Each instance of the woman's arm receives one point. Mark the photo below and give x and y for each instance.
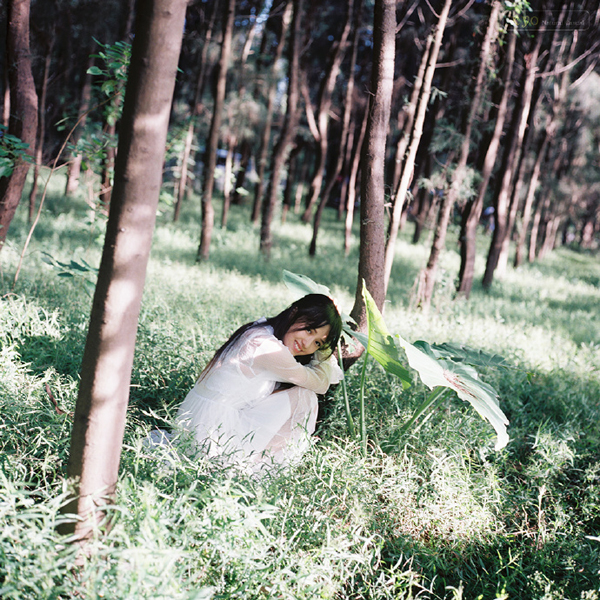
(272, 356)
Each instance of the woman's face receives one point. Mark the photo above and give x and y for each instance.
(301, 340)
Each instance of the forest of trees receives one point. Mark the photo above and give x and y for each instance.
(412, 112)
(492, 111)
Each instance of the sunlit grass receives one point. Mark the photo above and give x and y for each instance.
(433, 513)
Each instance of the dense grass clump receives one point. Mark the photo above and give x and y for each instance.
(432, 513)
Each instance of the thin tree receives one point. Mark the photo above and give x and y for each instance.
(39, 140)
(196, 107)
(512, 150)
(344, 134)
(372, 212)
(353, 177)
(212, 143)
(427, 278)
(263, 152)
(472, 211)
(281, 149)
(99, 420)
(23, 108)
(323, 110)
(415, 137)
(74, 166)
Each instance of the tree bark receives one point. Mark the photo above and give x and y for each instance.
(372, 212)
(100, 412)
(511, 151)
(41, 129)
(427, 279)
(472, 211)
(331, 178)
(266, 132)
(324, 106)
(212, 143)
(415, 137)
(352, 179)
(198, 93)
(23, 107)
(280, 152)
(74, 166)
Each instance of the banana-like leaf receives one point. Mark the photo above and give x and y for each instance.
(464, 354)
(379, 343)
(464, 380)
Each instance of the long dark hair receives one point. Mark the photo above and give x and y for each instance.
(311, 311)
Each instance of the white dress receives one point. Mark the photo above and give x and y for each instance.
(235, 412)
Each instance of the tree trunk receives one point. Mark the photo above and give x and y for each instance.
(511, 152)
(372, 212)
(266, 132)
(331, 178)
(41, 129)
(198, 93)
(100, 412)
(352, 179)
(545, 142)
(472, 211)
(449, 199)
(280, 152)
(415, 137)
(74, 166)
(324, 106)
(23, 107)
(212, 143)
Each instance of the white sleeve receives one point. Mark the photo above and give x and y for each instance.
(272, 356)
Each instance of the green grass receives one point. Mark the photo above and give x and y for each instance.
(434, 513)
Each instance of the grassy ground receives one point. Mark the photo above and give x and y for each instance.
(434, 513)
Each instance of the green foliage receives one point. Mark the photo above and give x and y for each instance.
(112, 66)
(12, 150)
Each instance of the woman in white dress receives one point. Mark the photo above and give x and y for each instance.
(256, 400)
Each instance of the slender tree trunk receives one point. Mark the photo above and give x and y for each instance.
(408, 116)
(511, 152)
(352, 179)
(291, 179)
(23, 107)
(372, 212)
(100, 412)
(331, 178)
(280, 152)
(449, 199)
(472, 211)
(266, 132)
(546, 140)
(416, 133)
(74, 167)
(212, 143)
(324, 107)
(39, 141)
(198, 93)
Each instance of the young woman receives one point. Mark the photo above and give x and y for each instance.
(256, 400)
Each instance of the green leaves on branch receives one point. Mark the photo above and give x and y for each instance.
(12, 150)
(81, 271)
(112, 64)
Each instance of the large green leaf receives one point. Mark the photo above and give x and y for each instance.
(464, 380)
(379, 343)
(460, 353)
